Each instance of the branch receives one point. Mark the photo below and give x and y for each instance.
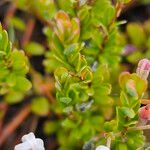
(146, 127)
(119, 6)
(17, 120)
(5, 1)
(145, 101)
(9, 14)
(3, 107)
(28, 32)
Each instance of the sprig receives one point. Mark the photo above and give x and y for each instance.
(13, 69)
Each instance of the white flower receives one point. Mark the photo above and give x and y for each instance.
(29, 142)
(102, 147)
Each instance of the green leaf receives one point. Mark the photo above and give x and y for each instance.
(75, 30)
(13, 68)
(133, 57)
(109, 14)
(84, 14)
(71, 49)
(141, 84)
(67, 123)
(61, 74)
(21, 3)
(131, 88)
(13, 97)
(48, 32)
(18, 23)
(124, 115)
(134, 30)
(67, 6)
(104, 88)
(65, 100)
(40, 106)
(110, 126)
(97, 38)
(50, 127)
(4, 73)
(2, 53)
(4, 41)
(103, 12)
(11, 79)
(128, 112)
(34, 48)
(86, 75)
(9, 48)
(123, 78)
(20, 62)
(122, 146)
(124, 99)
(133, 136)
(22, 84)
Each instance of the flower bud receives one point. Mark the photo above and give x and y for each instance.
(129, 49)
(144, 113)
(102, 147)
(143, 68)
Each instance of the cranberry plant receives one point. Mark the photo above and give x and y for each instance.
(91, 105)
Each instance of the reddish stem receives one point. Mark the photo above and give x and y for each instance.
(45, 90)
(130, 5)
(146, 127)
(118, 7)
(17, 120)
(34, 124)
(10, 13)
(145, 101)
(28, 32)
(3, 107)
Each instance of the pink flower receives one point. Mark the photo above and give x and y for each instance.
(143, 68)
(144, 113)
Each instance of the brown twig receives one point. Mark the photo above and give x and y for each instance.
(17, 120)
(34, 123)
(3, 107)
(145, 101)
(49, 96)
(5, 1)
(146, 127)
(28, 32)
(119, 6)
(10, 13)
(130, 5)
(90, 2)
